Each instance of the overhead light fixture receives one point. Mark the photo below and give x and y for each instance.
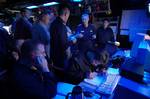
(45, 4)
(32, 7)
(77, 0)
(50, 4)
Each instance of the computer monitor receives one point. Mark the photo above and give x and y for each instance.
(143, 54)
(138, 39)
(141, 50)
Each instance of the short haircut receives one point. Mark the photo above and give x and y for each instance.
(63, 9)
(43, 13)
(101, 56)
(28, 47)
(24, 10)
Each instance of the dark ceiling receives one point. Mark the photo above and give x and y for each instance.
(21, 3)
(117, 3)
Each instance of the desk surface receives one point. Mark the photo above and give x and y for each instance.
(64, 88)
(134, 86)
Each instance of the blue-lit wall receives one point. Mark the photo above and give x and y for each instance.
(134, 21)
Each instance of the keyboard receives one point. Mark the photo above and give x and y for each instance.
(96, 81)
(109, 85)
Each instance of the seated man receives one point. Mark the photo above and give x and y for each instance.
(104, 34)
(85, 65)
(99, 60)
(105, 38)
(31, 77)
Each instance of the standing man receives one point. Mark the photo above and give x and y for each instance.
(87, 34)
(105, 38)
(104, 34)
(23, 30)
(59, 40)
(40, 30)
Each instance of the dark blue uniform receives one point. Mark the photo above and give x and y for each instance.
(87, 41)
(103, 36)
(59, 42)
(30, 83)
